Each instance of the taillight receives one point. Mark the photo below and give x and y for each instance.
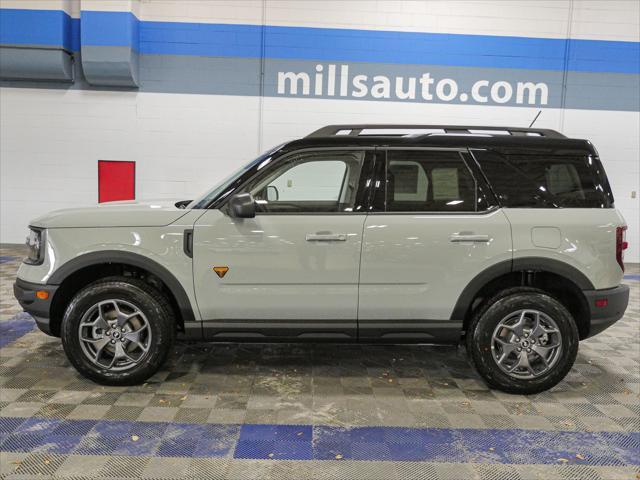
(621, 245)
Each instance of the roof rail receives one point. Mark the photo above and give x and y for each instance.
(391, 129)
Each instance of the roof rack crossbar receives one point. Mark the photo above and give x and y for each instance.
(356, 130)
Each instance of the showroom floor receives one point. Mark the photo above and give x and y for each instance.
(314, 411)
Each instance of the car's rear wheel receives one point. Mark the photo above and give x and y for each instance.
(523, 341)
(118, 331)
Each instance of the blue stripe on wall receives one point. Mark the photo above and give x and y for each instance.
(307, 442)
(74, 42)
(109, 29)
(324, 44)
(197, 39)
(451, 49)
(53, 28)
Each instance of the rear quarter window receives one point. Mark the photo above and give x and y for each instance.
(546, 181)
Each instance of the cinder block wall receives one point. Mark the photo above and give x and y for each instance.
(191, 89)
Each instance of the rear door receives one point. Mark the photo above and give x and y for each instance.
(433, 228)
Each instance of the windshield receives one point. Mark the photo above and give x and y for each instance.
(221, 186)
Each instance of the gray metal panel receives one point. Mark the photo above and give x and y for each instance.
(35, 63)
(110, 66)
(200, 75)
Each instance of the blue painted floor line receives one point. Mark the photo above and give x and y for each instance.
(309, 442)
(632, 277)
(11, 330)
(7, 259)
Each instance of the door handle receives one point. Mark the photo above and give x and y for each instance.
(326, 237)
(469, 238)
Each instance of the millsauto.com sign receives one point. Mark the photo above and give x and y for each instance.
(345, 81)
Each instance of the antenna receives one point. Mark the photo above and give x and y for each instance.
(536, 118)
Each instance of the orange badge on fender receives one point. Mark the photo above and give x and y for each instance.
(221, 271)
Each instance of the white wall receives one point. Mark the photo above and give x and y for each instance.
(51, 139)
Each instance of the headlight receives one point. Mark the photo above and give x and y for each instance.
(35, 255)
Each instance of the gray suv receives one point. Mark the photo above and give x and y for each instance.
(506, 239)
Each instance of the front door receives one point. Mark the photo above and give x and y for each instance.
(435, 228)
(293, 269)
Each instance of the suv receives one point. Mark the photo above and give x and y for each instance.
(504, 238)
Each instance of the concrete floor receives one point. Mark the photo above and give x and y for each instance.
(314, 411)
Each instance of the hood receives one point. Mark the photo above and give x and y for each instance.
(148, 213)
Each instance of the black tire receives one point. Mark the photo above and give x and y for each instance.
(148, 300)
(479, 339)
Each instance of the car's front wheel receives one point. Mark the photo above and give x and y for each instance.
(118, 331)
(523, 341)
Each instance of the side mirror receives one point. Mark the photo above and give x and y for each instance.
(242, 205)
(272, 193)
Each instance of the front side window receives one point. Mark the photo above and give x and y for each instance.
(429, 181)
(317, 182)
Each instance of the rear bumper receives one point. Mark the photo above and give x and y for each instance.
(25, 293)
(603, 317)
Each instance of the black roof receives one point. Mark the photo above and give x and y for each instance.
(448, 136)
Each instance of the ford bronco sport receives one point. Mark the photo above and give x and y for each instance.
(504, 238)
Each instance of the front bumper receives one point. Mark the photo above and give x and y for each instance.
(39, 309)
(603, 317)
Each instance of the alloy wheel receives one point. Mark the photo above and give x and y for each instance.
(115, 335)
(526, 344)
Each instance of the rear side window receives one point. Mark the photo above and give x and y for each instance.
(546, 181)
(430, 181)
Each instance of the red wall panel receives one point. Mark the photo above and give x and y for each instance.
(116, 180)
